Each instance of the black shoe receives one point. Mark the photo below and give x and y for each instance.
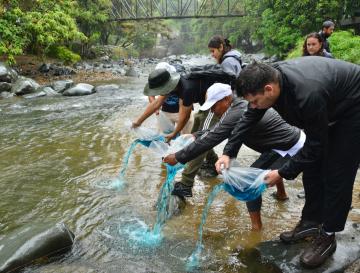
(303, 230)
(321, 249)
(182, 190)
(207, 169)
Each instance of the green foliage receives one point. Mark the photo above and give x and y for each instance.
(284, 22)
(345, 45)
(51, 28)
(64, 54)
(297, 51)
(13, 38)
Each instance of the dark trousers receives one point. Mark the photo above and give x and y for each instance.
(328, 184)
(267, 160)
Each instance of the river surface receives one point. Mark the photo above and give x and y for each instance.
(56, 150)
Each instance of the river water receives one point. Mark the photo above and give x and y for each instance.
(56, 150)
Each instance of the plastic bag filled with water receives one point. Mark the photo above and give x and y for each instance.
(145, 135)
(166, 126)
(245, 184)
(175, 145)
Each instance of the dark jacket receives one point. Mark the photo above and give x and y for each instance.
(315, 92)
(325, 41)
(270, 133)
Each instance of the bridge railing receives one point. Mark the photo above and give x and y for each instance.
(175, 9)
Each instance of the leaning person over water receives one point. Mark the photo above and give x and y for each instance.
(322, 96)
(272, 137)
(169, 105)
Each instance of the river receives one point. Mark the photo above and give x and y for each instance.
(54, 152)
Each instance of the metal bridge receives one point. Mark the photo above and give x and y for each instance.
(124, 10)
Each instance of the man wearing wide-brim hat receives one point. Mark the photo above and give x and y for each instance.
(190, 90)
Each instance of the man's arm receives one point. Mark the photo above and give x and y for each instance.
(244, 124)
(184, 115)
(214, 136)
(150, 109)
(151, 99)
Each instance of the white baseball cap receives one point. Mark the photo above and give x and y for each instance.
(216, 92)
(164, 65)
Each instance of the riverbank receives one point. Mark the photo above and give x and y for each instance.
(36, 68)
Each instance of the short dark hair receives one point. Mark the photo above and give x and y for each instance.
(328, 24)
(254, 77)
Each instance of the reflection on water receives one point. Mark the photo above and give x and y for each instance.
(55, 150)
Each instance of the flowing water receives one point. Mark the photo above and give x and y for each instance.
(54, 152)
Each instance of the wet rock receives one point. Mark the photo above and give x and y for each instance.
(60, 86)
(42, 92)
(61, 70)
(35, 95)
(7, 74)
(6, 95)
(107, 87)
(5, 86)
(286, 257)
(47, 244)
(81, 89)
(131, 72)
(44, 68)
(24, 86)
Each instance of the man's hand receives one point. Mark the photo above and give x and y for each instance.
(170, 159)
(135, 124)
(273, 178)
(170, 137)
(222, 163)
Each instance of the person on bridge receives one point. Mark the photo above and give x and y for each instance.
(322, 96)
(272, 137)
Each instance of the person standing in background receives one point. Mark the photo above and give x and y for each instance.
(325, 33)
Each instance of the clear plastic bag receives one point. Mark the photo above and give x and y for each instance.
(245, 184)
(145, 134)
(164, 149)
(166, 126)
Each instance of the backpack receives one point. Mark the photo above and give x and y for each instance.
(210, 73)
(238, 58)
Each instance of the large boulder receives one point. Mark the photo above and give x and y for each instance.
(22, 250)
(6, 95)
(42, 92)
(24, 86)
(61, 86)
(131, 72)
(81, 89)
(7, 74)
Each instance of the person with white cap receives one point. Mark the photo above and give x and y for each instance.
(272, 137)
(167, 106)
